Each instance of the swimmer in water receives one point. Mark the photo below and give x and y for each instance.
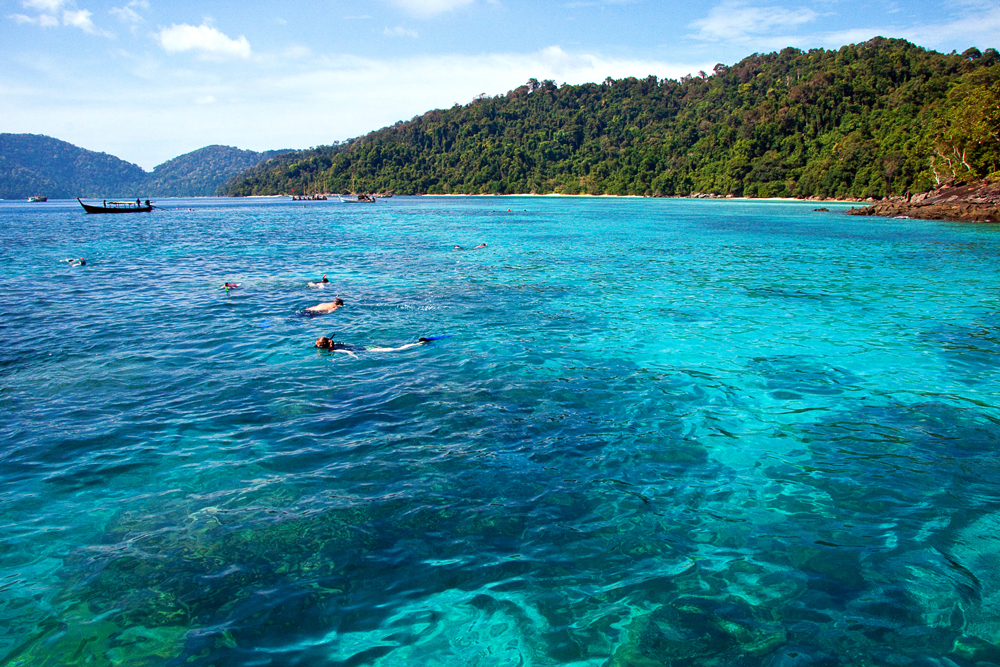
(77, 262)
(323, 282)
(228, 286)
(327, 343)
(322, 308)
(480, 246)
(458, 247)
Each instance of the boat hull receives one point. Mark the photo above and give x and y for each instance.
(115, 209)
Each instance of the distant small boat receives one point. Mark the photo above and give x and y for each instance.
(308, 197)
(118, 207)
(360, 199)
(38, 198)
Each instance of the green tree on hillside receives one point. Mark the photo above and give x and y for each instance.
(863, 120)
(969, 134)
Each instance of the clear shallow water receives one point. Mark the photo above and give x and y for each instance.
(664, 432)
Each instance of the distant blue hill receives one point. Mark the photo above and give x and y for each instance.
(34, 164)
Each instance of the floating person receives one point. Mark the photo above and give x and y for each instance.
(76, 262)
(327, 343)
(323, 308)
(458, 247)
(322, 282)
(482, 245)
(228, 286)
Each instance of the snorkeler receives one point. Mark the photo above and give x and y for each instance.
(457, 247)
(76, 262)
(228, 286)
(480, 246)
(322, 308)
(327, 343)
(322, 282)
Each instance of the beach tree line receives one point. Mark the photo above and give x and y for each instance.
(866, 120)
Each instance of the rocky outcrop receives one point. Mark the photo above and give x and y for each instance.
(978, 201)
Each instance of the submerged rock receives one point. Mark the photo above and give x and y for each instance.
(977, 553)
(700, 632)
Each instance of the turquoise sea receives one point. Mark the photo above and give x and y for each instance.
(662, 432)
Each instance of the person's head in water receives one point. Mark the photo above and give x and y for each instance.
(325, 279)
(324, 343)
(339, 301)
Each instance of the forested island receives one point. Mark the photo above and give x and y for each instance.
(880, 118)
(34, 164)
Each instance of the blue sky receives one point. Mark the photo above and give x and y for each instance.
(148, 80)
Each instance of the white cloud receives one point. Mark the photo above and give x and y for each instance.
(204, 40)
(762, 29)
(581, 4)
(48, 9)
(297, 52)
(80, 18)
(737, 21)
(46, 6)
(969, 23)
(979, 26)
(428, 8)
(49, 18)
(43, 20)
(127, 14)
(400, 31)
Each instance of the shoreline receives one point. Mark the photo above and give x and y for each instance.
(691, 197)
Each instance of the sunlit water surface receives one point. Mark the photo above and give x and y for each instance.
(663, 432)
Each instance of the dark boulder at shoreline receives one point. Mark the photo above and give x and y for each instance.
(974, 202)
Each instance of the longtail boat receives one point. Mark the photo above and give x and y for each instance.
(118, 207)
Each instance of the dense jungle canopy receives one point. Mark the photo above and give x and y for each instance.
(872, 119)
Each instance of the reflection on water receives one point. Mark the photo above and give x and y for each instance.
(661, 433)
